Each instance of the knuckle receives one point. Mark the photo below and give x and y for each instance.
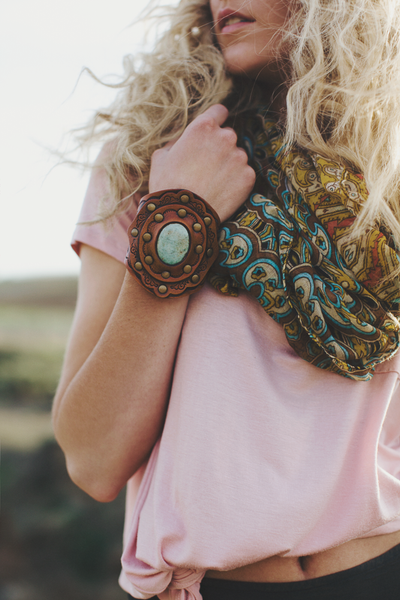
(242, 155)
(229, 135)
(250, 176)
(204, 123)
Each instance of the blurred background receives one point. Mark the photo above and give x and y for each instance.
(55, 542)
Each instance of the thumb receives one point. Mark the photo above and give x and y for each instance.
(171, 143)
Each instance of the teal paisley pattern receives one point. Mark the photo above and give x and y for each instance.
(288, 247)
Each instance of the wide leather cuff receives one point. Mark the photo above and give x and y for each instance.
(173, 242)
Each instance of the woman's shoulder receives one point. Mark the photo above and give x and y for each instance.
(94, 228)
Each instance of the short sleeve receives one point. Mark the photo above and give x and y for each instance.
(110, 236)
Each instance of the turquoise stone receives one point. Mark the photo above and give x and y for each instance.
(173, 243)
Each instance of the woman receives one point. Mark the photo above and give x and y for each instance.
(262, 455)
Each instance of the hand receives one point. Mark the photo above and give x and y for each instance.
(206, 161)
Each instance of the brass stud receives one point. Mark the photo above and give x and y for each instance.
(162, 289)
(207, 221)
(182, 213)
(210, 252)
(166, 274)
(146, 237)
(148, 260)
(150, 207)
(134, 232)
(197, 227)
(138, 266)
(185, 198)
(159, 217)
(198, 249)
(187, 268)
(195, 278)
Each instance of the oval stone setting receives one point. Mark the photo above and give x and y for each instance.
(173, 243)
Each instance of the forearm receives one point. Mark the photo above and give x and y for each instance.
(110, 415)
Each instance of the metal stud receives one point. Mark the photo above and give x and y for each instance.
(182, 213)
(162, 289)
(207, 221)
(146, 237)
(166, 274)
(150, 207)
(185, 198)
(187, 268)
(134, 232)
(197, 227)
(210, 252)
(198, 249)
(148, 260)
(138, 266)
(159, 217)
(195, 278)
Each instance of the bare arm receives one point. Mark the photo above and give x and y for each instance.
(115, 382)
(110, 405)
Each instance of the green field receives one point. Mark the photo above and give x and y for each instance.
(32, 343)
(35, 318)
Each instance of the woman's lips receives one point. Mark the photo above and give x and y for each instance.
(234, 26)
(230, 20)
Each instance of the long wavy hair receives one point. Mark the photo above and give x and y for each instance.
(340, 61)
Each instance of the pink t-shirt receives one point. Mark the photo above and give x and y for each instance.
(261, 453)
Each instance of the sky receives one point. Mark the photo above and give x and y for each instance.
(44, 44)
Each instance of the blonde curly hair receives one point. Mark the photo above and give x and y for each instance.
(340, 61)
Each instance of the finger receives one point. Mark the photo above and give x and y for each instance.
(218, 112)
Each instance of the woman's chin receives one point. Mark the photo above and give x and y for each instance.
(269, 75)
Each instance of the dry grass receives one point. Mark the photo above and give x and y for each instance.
(45, 291)
(24, 327)
(24, 429)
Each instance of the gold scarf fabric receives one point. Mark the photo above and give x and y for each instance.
(288, 246)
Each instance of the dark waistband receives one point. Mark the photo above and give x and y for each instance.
(372, 580)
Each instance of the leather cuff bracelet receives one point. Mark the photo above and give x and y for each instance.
(173, 242)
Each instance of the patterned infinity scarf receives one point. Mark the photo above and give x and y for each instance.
(287, 246)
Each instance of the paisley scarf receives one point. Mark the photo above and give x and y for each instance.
(288, 247)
